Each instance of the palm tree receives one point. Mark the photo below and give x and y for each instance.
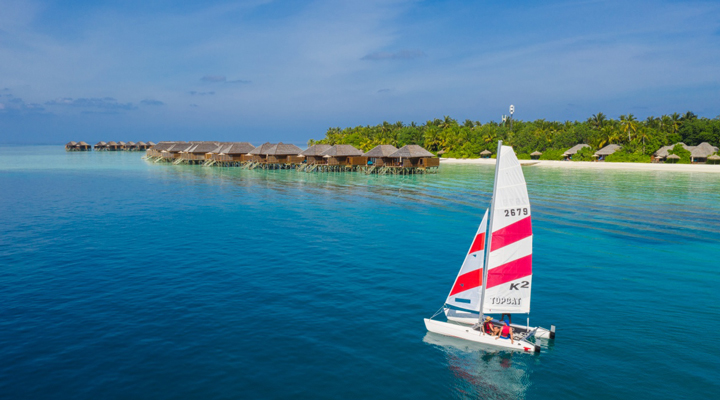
(598, 120)
(628, 124)
(675, 122)
(643, 134)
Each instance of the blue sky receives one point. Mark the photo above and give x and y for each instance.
(264, 70)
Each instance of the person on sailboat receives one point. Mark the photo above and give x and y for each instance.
(505, 332)
(488, 327)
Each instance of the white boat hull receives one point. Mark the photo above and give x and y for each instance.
(467, 333)
(472, 319)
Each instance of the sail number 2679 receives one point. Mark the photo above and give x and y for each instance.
(516, 211)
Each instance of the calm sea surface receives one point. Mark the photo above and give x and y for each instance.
(124, 279)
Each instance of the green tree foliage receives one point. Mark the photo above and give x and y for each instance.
(639, 139)
(584, 154)
(680, 151)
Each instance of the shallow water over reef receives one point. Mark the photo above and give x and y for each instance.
(120, 278)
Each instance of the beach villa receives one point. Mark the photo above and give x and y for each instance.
(567, 156)
(606, 151)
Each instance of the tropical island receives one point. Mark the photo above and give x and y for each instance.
(668, 138)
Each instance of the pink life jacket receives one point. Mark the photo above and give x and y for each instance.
(506, 330)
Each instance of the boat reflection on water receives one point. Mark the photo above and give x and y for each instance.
(484, 371)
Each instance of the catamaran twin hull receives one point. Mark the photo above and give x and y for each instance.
(472, 319)
(468, 333)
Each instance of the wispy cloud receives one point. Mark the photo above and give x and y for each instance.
(213, 78)
(398, 55)
(222, 79)
(196, 93)
(10, 104)
(105, 103)
(149, 102)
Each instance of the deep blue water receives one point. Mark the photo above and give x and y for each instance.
(123, 279)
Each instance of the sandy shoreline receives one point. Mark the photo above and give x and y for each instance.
(593, 165)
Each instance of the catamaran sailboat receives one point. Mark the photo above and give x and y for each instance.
(504, 287)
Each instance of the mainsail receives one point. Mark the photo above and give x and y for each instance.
(509, 274)
(465, 292)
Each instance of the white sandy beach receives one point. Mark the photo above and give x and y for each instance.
(594, 165)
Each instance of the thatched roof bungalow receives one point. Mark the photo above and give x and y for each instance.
(606, 151)
(313, 155)
(571, 151)
(70, 146)
(176, 149)
(340, 154)
(535, 155)
(112, 146)
(83, 146)
(485, 153)
(260, 153)
(198, 150)
(701, 152)
(237, 151)
(380, 155)
(156, 150)
(714, 159)
(698, 154)
(141, 146)
(283, 153)
(414, 156)
(99, 146)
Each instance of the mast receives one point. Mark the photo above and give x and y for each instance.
(488, 234)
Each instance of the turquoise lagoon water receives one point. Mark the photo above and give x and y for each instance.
(123, 279)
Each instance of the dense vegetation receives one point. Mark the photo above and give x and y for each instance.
(639, 139)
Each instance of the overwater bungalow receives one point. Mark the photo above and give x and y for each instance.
(150, 144)
(535, 155)
(606, 151)
(283, 153)
(156, 150)
(313, 155)
(121, 145)
(70, 146)
(100, 146)
(414, 156)
(260, 153)
(380, 155)
(343, 155)
(485, 153)
(567, 156)
(196, 152)
(112, 146)
(140, 146)
(232, 153)
(82, 146)
(175, 152)
(130, 146)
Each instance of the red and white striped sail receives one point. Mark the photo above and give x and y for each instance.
(509, 276)
(465, 292)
